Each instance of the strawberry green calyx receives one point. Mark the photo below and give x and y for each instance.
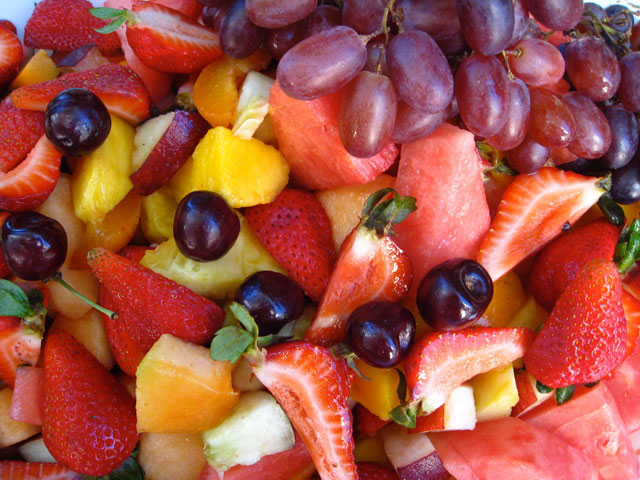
(15, 302)
(612, 211)
(117, 17)
(380, 215)
(627, 251)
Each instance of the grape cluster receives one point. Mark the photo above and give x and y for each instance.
(540, 80)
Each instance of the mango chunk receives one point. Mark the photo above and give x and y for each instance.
(158, 210)
(180, 389)
(101, 179)
(495, 393)
(379, 394)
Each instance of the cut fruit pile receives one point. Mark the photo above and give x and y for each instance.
(202, 279)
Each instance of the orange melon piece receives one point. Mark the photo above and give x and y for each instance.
(180, 389)
(40, 68)
(89, 331)
(344, 204)
(443, 172)
(308, 137)
(159, 452)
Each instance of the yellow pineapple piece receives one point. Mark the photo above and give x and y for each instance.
(531, 315)
(101, 179)
(89, 331)
(40, 68)
(218, 279)
(171, 456)
(344, 204)
(158, 210)
(244, 172)
(508, 298)
(371, 449)
(495, 393)
(379, 394)
(12, 431)
(180, 389)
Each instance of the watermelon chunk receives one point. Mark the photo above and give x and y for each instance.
(508, 449)
(444, 173)
(591, 422)
(27, 401)
(308, 137)
(624, 385)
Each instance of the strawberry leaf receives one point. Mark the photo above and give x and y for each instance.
(612, 211)
(118, 16)
(564, 394)
(374, 199)
(404, 415)
(384, 214)
(14, 302)
(230, 343)
(106, 13)
(543, 388)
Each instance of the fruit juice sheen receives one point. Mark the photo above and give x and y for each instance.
(406, 240)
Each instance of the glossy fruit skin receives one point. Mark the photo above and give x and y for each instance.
(34, 245)
(273, 300)
(454, 294)
(381, 333)
(205, 227)
(76, 122)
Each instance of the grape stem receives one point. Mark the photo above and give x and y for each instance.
(57, 277)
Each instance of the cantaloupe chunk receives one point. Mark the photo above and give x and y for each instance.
(89, 331)
(180, 389)
(12, 431)
(171, 456)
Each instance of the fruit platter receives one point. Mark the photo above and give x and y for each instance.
(322, 239)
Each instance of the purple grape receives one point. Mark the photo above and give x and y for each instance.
(629, 89)
(556, 14)
(592, 68)
(322, 18)
(624, 137)
(412, 124)
(239, 36)
(280, 40)
(364, 16)
(528, 157)
(593, 135)
(515, 129)
(487, 25)
(278, 13)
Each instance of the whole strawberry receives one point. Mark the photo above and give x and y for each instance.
(150, 304)
(297, 232)
(89, 419)
(559, 262)
(19, 132)
(585, 335)
(65, 25)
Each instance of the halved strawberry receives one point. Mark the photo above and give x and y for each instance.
(366, 423)
(121, 90)
(65, 25)
(631, 307)
(19, 345)
(19, 131)
(532, 212)
(16, 470)
(32, 181)
(313, 387)
(8, 25)
(370, 266)
(559, 261)
(375, 471)
(441, 361)
(585, 336)
(10, 55)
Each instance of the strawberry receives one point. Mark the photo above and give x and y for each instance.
(585, 336)
(441, 361)
(32, 181)
(313, 388)
(165, 39)
(559, 261)
(8, 25)
(65, 25)
(10, 56)
(297, 232)
(89, 420)
(366, 423)
(151, 304)
(532, 212)
(15, 470)
(121, 90)
(631, 307)
(19, 132)
(375, 471)
(370, 266)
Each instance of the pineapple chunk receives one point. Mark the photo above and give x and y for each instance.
(379, 394)
(495, 393)
(101, 179)
(220, 278)
(180, 389)
(244, 172)
(158, 210)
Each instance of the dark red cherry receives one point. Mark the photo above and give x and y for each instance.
(454, 294)
(34, 245)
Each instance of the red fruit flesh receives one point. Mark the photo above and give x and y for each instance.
(591, 423)
(15, 470)
(631, 307)
(19, 132)
(89, 418)
(441, 361)
(18, 346)
(366, 423)
(10, 55)
(532, 212)
(121, 90)
(313, 387)
(585, 335)
(27, 401)
(368, 268)
(170, 42)
(297, 232)
(375, 471)
(559, 261)
(32, 181)
(443, 173)
(508, 449)
(65, 25)
(152, 304)
(624, 385)
(308, 137)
